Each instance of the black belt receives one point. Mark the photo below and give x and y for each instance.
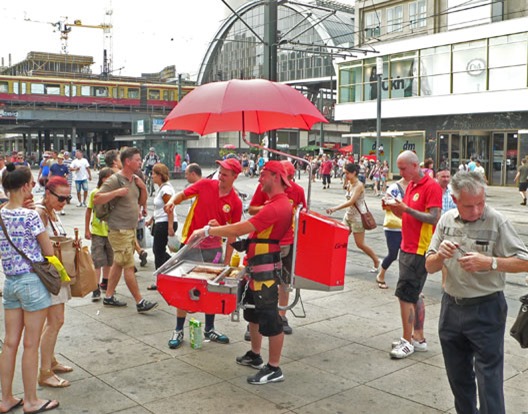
(471, 301)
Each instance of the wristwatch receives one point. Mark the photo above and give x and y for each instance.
(493, 263)
(206, 230)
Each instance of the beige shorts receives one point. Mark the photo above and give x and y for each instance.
(353, 225)
(123, 244)
(63, 296)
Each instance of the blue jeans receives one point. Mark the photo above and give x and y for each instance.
(394, 239)
(472, 339)
(25, 291)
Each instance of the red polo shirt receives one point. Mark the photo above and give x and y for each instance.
(271, 222)
(421, 196)
(208, 206)
(296, 196)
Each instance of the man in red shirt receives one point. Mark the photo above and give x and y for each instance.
(296, 196)
(215, 201)
(420, 211)
(267, 228)
(326, 171)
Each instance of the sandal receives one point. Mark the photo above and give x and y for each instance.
(47, 378)
(381, 284)
(152, 287)
(56, 366)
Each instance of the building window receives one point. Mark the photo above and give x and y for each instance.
(435, 71)
(4, 87)
(418, 14)
(469, 67)
(394, 19)
(507, 62)
(372, 24)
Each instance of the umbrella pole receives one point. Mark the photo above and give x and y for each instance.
(284, 154)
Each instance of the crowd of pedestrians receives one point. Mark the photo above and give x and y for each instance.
(432, 222)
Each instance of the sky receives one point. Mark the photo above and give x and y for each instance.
(147, 36)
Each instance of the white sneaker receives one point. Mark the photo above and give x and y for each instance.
(419, 346)
(402, 350)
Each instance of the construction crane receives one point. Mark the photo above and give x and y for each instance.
(64, 28)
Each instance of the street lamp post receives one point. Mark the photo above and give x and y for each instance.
(379, 73)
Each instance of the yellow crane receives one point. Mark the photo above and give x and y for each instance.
(64, 28)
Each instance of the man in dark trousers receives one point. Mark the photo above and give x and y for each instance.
(478, 246)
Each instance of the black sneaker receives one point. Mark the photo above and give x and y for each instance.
(143, 258)
(286, 328)
(266, 375)
(250, 359)
(216, 336)
(145, 306)
(113, 302)
(96, 295)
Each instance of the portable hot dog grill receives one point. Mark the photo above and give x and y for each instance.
(194, 286)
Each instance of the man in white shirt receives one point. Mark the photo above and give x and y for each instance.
(80, 168)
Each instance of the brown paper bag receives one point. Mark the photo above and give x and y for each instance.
(65, 249)
(86, 280)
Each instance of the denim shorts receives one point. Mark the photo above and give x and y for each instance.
(81, 185)
(25, 291)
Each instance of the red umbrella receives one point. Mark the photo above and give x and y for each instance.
(345, 150)
(255, 105)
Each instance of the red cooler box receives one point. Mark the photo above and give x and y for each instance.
(322, 245)
(198, 294)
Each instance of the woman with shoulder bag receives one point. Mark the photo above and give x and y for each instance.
(57, 193)
(25, 298)
(355, 198)
(392, 225)
(162, 224)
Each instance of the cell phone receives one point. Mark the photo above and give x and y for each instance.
(461, 250)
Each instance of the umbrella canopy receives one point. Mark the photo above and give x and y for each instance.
(255, 105)
(345, 150)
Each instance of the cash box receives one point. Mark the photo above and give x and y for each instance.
(320, 258)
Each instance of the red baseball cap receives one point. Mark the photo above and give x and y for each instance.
(231, 164)
(289, 168)
(278, 168)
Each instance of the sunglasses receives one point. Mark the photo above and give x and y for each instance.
(60, 198)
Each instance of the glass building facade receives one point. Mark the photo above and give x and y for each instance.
(489, 64)
(305, 36)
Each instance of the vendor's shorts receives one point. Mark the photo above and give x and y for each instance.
(266, 312)
(25, 291)
(81, 185)
(287, 263)
(523, 186)
(353, 225)
(102, 253)
(412, 277)
(123, 244)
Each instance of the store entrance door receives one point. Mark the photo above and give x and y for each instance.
(504, 149)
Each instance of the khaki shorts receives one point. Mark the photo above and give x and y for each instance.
(123, 244)
(354, 226)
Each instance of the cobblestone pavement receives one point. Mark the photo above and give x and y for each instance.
(336, 361)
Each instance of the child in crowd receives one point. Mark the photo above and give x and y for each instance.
(97, 231)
